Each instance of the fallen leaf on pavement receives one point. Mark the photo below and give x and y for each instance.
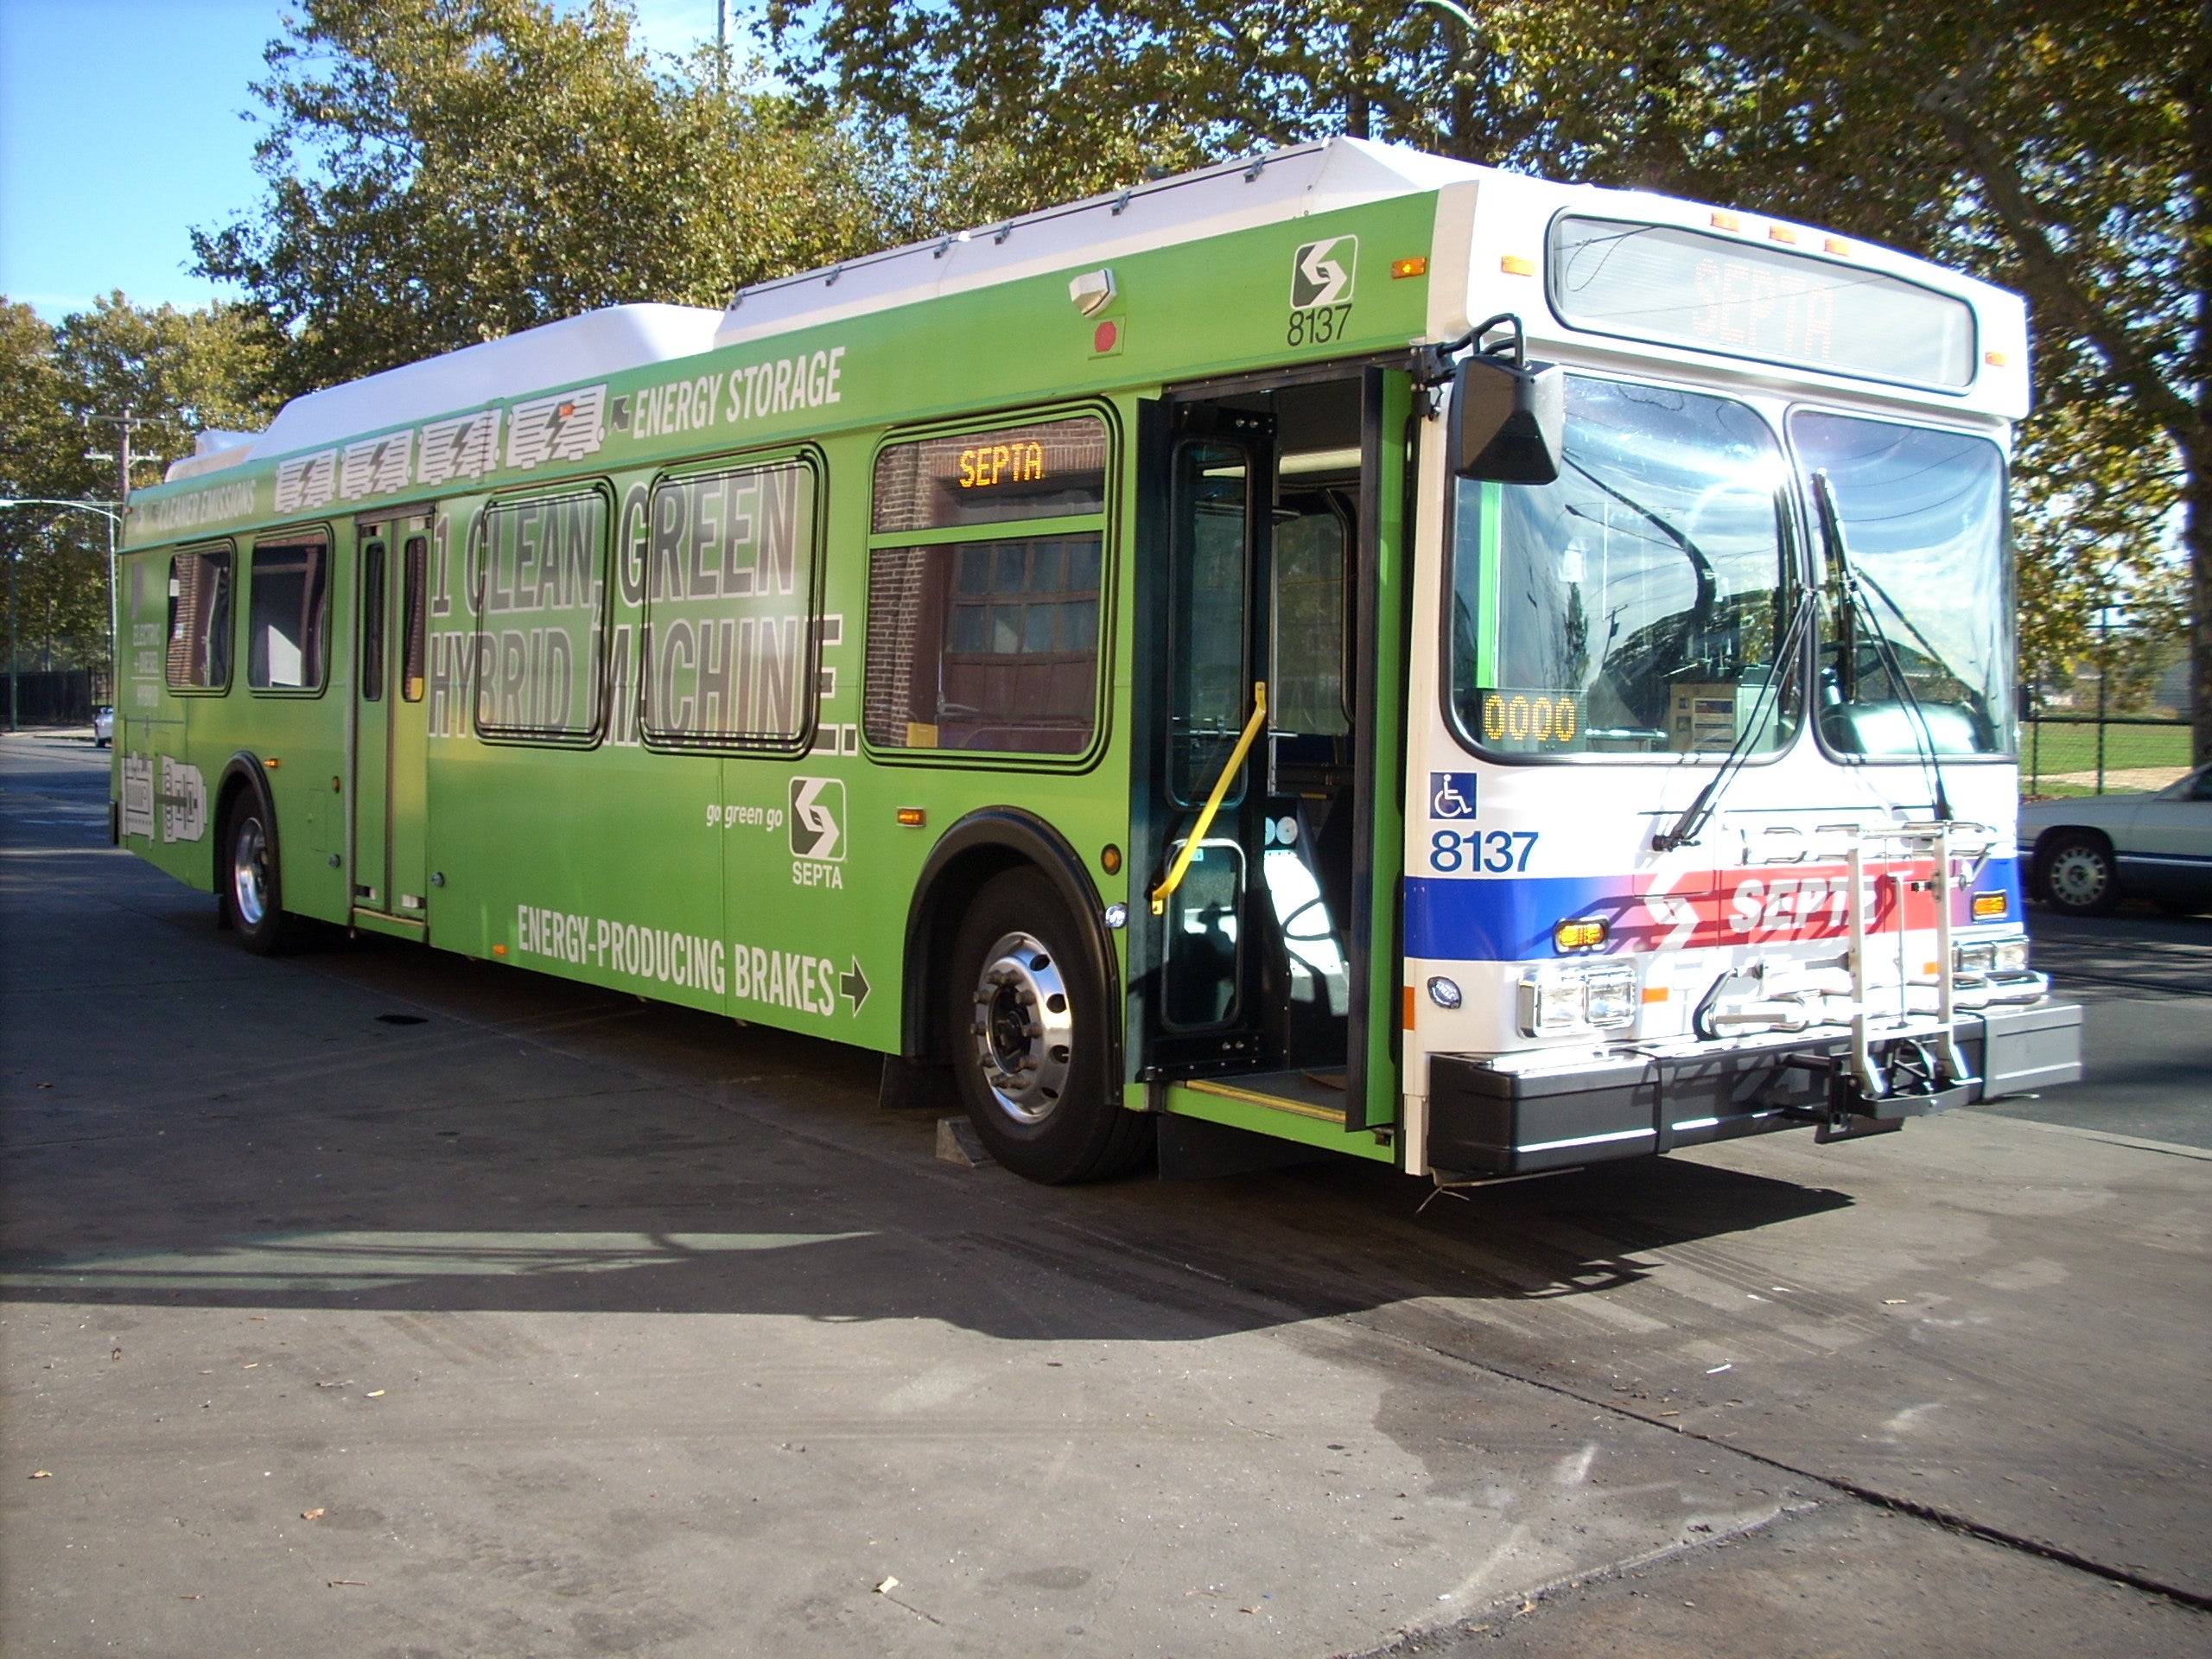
(373, 1394)
(887, 1586)
(41, 1474)
(311, 1515)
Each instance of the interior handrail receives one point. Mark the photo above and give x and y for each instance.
(1175, 871)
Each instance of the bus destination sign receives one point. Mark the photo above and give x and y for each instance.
(1678, 287)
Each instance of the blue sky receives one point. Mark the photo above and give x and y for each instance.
(121, 129)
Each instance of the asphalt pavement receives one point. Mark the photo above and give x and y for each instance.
(374, 1301)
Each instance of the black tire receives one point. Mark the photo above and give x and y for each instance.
(1024, 1027)
(2077, 874)
(250, 883)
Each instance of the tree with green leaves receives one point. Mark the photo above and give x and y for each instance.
(444, 172)
(178, 373)
(2063, 148)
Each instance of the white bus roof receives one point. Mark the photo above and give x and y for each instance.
(598, 342)
(1282, 185)
(1271, 189)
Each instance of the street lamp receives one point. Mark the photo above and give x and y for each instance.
(115, 661)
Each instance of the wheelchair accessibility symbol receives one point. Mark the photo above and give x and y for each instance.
(1451, 794)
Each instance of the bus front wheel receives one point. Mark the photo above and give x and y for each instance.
(1024, 1027)
(252, 894)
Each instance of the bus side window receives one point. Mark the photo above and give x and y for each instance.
(985, 577)
(541, 586)
(413, 619)
(730, 591)
(372, 622)
(199, 654)
(288, 615)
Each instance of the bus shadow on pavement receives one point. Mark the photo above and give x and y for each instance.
(399, 1130)
(1129, 1261)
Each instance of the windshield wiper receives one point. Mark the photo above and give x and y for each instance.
(1854, 598)
(1699, 812)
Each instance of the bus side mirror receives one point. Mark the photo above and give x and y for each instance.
(1509, 421)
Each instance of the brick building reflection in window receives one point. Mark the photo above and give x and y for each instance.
(990, 646)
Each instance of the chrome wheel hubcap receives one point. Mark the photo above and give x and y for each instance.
(2079, 876)
(1023, 1027)
(250, 872)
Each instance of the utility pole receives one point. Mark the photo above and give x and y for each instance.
(722, 47)
(128, 421)
(124, 423)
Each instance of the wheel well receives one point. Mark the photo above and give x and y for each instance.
(2058, 832)
(938, 909)
(241, 776)
(982, 845)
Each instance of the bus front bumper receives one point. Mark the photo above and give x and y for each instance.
(1523, 1114)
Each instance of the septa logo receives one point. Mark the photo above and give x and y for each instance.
(816, 819)
(1322, 273)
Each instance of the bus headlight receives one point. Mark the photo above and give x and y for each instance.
(1558, 999)
(1990, 956)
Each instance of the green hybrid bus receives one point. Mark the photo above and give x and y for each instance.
(1344, 653)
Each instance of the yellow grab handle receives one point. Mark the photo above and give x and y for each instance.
(1159, 894)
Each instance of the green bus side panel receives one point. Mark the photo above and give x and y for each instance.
(650, 872)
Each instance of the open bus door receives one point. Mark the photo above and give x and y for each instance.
(1267, 822)
(388, 838)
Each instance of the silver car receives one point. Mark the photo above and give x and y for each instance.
(2084, 856)
(104, 725)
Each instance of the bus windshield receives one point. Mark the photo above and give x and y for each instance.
(1923, 521)
(1634, 606)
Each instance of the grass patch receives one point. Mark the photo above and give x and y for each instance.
(2062, 759)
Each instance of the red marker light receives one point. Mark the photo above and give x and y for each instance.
(1106, 336)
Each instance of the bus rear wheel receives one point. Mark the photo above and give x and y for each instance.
(252, 894)
(1025, 1027)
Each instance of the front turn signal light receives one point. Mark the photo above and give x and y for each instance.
(1582, 933)
(1991, 906)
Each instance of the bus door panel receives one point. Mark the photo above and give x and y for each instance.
(407, 710)
(390, 731)
(370, 874)
(1202, 976)
(1380, 598)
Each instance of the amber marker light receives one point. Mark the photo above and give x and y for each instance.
(1416, 266)
(1995, 359)
(1991, 906)
(1514, 265)
(498, 950)
(1782, 233)
(1582, 933)
(912, 817)
(1726, 222)
(1110, 859)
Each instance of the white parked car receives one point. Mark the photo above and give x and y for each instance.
(104, 725)
(2084, 856)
